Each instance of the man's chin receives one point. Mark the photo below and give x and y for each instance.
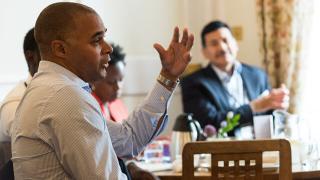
(102, 75)
(96, 78)
(113, 98)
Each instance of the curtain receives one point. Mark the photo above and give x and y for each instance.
(283, 27)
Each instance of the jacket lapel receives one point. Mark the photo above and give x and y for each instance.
(247, 80)
(214, 85)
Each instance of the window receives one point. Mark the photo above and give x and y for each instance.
(309, 107)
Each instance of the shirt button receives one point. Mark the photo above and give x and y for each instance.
(162, 98)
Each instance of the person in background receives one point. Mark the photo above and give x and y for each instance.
(107, 91)
(59, 131)
(226, 84)
(11, 101)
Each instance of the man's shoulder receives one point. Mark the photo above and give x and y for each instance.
(252, 69)
(49, 89)
(15, 93)
(52, 81)
(57, 95)
(199, 74)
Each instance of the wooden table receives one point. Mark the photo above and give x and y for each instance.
(272, 175)
(268, 174)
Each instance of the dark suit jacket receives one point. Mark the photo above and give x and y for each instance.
(204, 95)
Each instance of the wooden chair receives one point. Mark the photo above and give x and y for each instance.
(233, 154)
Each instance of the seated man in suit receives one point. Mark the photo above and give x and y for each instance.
(12, 100)
(107, 90)
(226, 84)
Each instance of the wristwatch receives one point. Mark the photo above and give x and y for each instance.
(167, 82)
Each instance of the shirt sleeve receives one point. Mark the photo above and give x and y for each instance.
(7, 114)
(133, 134)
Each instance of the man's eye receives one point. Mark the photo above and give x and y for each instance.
(110, 82)
(214, 43)
(97, 40)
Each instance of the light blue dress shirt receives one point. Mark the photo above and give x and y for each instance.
(237, 95)
(59, 131)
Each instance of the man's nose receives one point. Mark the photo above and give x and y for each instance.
(222, 45)
(106, 48)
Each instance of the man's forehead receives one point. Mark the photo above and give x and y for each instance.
(99, 33)
(220, 33)
(90, 24)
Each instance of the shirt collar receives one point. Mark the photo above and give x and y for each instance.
(97, 98)
(224, 76)
(48, 66)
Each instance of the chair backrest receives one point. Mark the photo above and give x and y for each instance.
(237, 159)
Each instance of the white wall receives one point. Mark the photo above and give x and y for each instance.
(243, 13)
(16, 19)
(135, 25)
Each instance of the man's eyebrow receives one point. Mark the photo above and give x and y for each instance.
(99, 33)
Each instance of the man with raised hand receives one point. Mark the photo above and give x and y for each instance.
(59, 131)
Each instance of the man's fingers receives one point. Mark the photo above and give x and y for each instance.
(175, 37)
(187, 57)
(285, 105)
(282, 89)
(184, 37)
(190, 42)
(160, 50)
(286, 99)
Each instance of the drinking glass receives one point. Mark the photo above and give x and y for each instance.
(204, 163)
(308, 146)
(309, 155)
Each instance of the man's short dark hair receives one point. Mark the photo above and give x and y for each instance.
(29, 43)
(117, 54)
(57, 22)
(210, 27)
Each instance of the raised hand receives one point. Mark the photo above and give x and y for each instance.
(175, 59)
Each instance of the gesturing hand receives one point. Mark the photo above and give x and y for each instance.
(276, 99)
(175, 59)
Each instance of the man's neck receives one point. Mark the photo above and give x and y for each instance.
(228, 68)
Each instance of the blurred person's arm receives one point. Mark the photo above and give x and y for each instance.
(148, 120)
(7, 114)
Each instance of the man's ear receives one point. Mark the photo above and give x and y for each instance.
(29, 55)
(58, 48)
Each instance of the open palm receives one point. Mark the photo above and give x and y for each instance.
(175, 59)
